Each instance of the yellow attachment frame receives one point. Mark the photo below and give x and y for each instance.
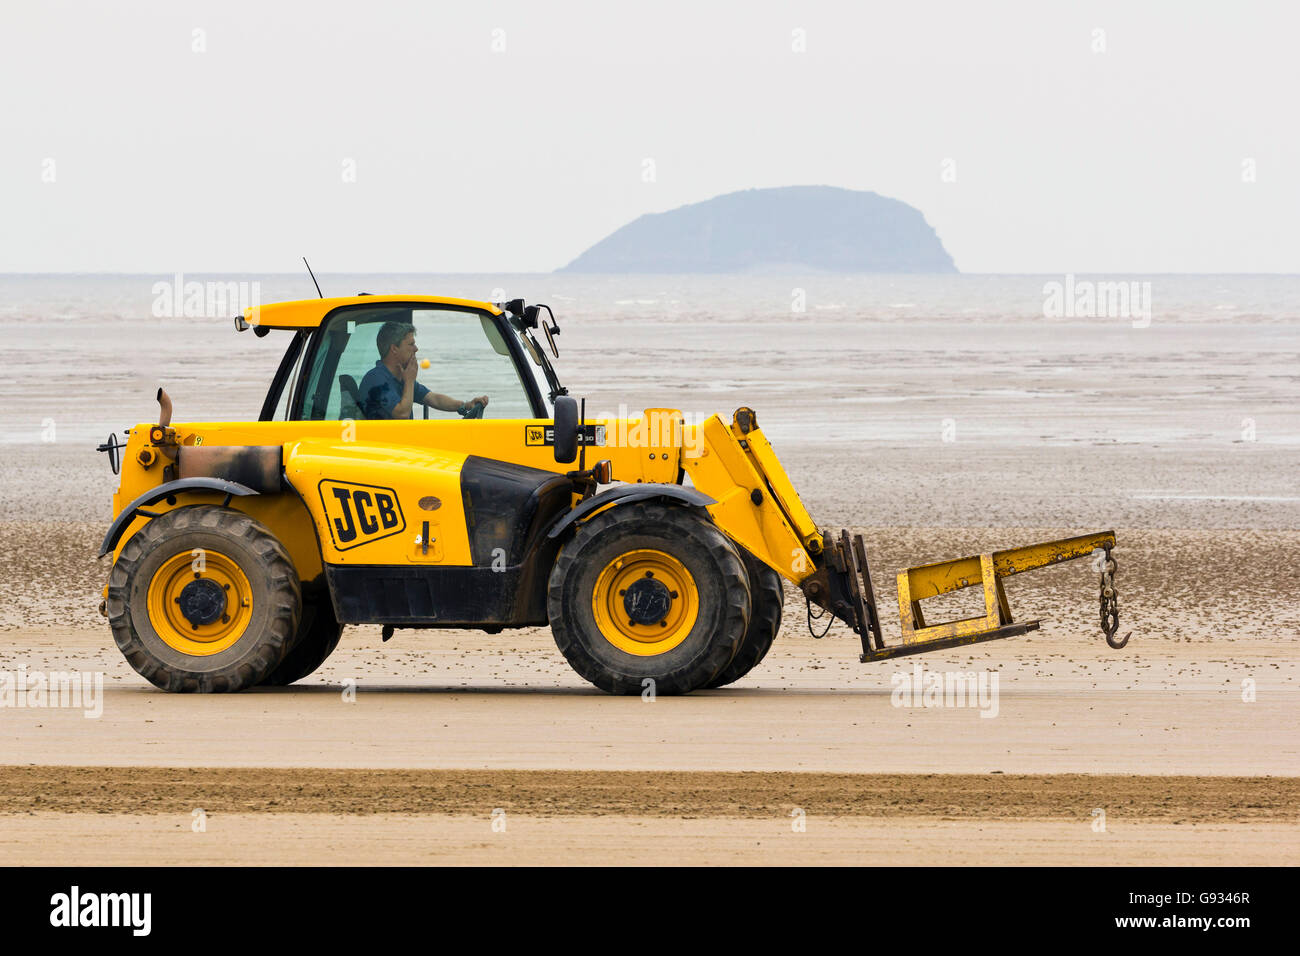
(847, 562)
(986, 570)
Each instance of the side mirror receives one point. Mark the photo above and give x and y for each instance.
(566, 429)
(552, 329)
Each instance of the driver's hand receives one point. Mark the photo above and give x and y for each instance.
(410, 369)
(482, 400)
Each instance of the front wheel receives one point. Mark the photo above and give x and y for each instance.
(648, 597)
(768, 598)
(204, 599)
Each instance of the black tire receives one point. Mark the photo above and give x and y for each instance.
(767, 597)
(275, 600)
(721, 590)
(318, 635)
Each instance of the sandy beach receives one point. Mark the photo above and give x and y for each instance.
(1185, 744)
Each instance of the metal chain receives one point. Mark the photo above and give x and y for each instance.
(1110, 602)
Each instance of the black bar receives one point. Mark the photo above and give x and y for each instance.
(1081, 904)
(860, 555)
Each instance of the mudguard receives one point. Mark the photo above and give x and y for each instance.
(166, 490)
(624, 494)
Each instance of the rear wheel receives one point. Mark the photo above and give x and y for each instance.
(648, 595)
(318, 635)
(204, 599)
(768, 600)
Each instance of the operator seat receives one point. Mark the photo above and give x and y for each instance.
(349, 398)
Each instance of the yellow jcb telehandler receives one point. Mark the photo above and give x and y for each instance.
(363, 495)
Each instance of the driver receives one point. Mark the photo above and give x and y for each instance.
(389, 390)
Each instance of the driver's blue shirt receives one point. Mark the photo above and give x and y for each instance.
(381, 390)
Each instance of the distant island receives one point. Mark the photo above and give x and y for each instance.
(789, 229)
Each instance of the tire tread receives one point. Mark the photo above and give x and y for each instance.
(274, 564)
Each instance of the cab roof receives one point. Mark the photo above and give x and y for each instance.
(308, 313)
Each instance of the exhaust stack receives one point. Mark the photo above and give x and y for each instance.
(164, 408)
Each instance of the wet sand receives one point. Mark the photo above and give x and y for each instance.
(439, 839)
(173, 791)
(437, 733)
(1211, 608)
(78, 815)
(125, 816)
(1066, 703)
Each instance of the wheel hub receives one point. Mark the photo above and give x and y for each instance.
(202, 601)
(200, 611)
(647, 600)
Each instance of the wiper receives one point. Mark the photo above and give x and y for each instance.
(552, 379)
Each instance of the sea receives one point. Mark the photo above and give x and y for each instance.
(990, 359)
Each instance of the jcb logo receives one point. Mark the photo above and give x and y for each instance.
(545, 435)
(359, 514)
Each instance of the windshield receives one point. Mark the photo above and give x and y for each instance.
(417, 361)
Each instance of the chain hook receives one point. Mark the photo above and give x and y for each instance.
(1110, 602)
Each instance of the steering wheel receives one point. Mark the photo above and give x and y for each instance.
(475, 410)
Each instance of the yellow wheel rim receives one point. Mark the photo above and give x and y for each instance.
(645, 602)
(200, 604)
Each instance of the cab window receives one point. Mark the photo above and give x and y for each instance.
(466, 355)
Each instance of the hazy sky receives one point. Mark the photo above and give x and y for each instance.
(470, 157)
